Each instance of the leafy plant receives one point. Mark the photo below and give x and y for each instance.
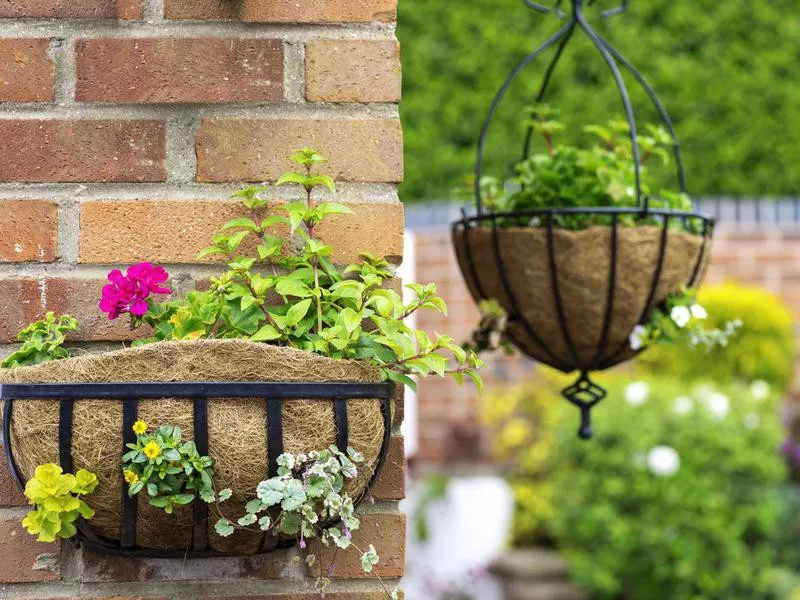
(42, 341)
(308, 498)
(681, 322)
(601, 175)
(57, 500)
(763, 348)
(301, 300)
(679, 488)
(169, 469)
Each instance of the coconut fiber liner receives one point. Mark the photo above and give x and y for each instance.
(237, 427)
(583, 261)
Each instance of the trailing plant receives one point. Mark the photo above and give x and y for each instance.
(763, 349)
(308, 499)
(682, 322)
(58, 501)
(169, 469)
(302, 300)
(602, 175)
(42, 341)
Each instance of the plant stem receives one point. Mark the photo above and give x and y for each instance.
(315, 260)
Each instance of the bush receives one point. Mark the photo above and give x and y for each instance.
(763, 349)
(704, 531)
(725, 71)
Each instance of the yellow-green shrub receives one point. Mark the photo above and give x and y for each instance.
(764, 348)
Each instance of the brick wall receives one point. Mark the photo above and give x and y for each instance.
(125, 125)
(449, 427)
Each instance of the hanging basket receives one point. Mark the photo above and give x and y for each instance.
(243, 403)
(573, 297)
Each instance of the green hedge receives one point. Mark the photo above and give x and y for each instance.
(727, 72)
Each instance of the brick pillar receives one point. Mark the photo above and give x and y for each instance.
(124, 127)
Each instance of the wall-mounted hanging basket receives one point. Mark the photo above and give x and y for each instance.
(243, 403)
(573, 297)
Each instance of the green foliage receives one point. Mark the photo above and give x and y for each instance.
(304, 301)
(57, 500)
(725, 70)
(675, 497)
(169, 469)
(601, 175)
(304, 499)
(682, 322)
(42, 341)
(763, 349)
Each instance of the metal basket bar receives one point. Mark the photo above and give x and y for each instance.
(562, 321)
(200, 515)
(612, 282)
(283, 390)
(587, 210)
(130, 505)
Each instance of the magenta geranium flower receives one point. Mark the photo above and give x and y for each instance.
(128, 293)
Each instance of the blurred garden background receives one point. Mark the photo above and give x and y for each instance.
(688, 489)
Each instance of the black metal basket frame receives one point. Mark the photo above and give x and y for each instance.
(583, 393)
(273, 394)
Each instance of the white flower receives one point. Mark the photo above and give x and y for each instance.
(638, 337)
(681, 316)
(759, 389)
(636, 393)
(683, 405)
(663, 461)
(751, 421)
(698, 312)
(719, 406)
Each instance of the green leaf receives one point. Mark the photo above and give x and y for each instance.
(223, 527)
(225, 494)
(294, 177)
(293, 496)
(326, 181)
(243, 223)
(266, 333)
(296, 313)
(271, 491)
(292, 287)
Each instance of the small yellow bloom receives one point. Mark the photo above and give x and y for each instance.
(139, 427)
(152, 450)
(131, 477)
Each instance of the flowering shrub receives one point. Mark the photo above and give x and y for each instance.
(682, 322)
(168, 468)
(57, 500)
(676, 497)
(308, 499)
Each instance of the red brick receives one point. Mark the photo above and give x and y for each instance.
(353, 71)
(82, 151)
(72, 9)
(174, 231)
(368, 150)
(285, 11)
(170, 231)
(391, 483)
(385, 531)
(375, 595)
(26, 72)
(169, 70)
(101, 568)
(26, 300)
(28, 230)
(22, 558)
(10, 494)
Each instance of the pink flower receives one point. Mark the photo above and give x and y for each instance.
(129, 292)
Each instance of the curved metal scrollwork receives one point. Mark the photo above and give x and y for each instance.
(616, 63)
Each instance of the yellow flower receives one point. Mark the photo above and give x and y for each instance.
(139, 427)
(152, 450)
(131, 477)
